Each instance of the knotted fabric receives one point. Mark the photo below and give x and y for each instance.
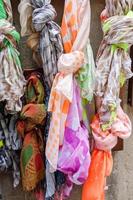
(12, 81)
(30, 127)
(101, 164)
(113, 68)
(50, 44)
(106, 140)
(75, 26)
(113, 61)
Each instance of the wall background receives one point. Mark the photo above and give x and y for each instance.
(121, 181)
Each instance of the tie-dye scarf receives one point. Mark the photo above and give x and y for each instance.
(113, 61)
(12, 81)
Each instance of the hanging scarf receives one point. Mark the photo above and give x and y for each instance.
(113, 59)
(30, 128)
(74, 155)
(36, 19)
(100, 168)
(10, 143)
(12, 80)
(50, 44)
(73, 29)
(101, 164)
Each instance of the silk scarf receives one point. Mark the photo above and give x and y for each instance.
(72, 29)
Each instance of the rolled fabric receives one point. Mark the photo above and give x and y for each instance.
(12, 80)
(113, 59)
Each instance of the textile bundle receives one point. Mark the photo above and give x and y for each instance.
(113, 69)
(113, 61)
(52, 129)
(12, 81)
(65, 100)
(45, 40)
(30, 128)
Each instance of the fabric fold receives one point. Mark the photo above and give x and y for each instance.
(113, 63)
(11, 79)
(29, 127)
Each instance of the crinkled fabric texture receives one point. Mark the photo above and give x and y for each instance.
(50, 44)
(70, 62)
(30, 126)
(12, 81)
(106, 140)
(113, 60)
(118, 7)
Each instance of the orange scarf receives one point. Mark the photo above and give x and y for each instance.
(101, 167)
